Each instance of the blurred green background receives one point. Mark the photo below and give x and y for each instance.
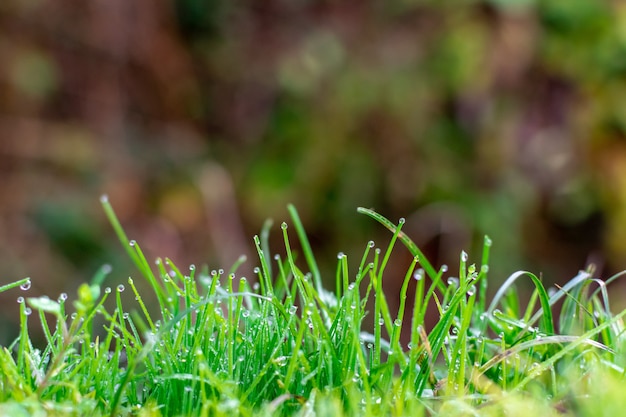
(202, 118)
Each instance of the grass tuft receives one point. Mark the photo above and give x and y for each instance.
(280, 344)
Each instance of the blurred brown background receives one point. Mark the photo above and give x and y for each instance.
(202, 118)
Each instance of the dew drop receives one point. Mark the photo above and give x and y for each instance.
(464, 256)
(231, 276)
(381, 321)
(28, 311)
(401, 221)
(488, 241)
(192, 267)
(292, 310)
(471, 290)
(107, 290)
(120, 288)
(340, 255)
(125, 315)
(104, 198)
(220, 271)
(283, 226)
(62, 297)
(245, 313)
(454, 282)
(419, 274)
(20, 300)
(256, 270)
(158, 261)
(371, 243)
(132, 242)
(397, 322)
(444, 268)
(351, 286)
(25, 286)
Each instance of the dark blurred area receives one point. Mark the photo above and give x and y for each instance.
(202, 118)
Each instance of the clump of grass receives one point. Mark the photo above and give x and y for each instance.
(280, 344)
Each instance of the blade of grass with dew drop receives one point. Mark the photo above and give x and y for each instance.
(380, 306)
(395, 337)
(544, 299)
(19, 283)
(306, 247)
(459, 360)
(437, 338)
(410, 245)
(265, 278)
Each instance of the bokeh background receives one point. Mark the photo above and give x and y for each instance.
(202, 118)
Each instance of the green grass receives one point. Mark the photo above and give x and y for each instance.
(279, 343)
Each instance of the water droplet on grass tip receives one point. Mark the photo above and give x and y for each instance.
(120, 288)
(284, 226)
(452, 281)
(62, 297)
(401, 221)
(340, 255)
(28, 311)
(484, 269)
(256, 270)
(381, 321)
(371, 244)
(464, 256)
(107, 290)
(25, 286)
(488, 241)
(292, 310)
(444, 268)
(419, 274)
(397, 322)
(132, 242)
(20, 300)
(192, 267)
(104, 198)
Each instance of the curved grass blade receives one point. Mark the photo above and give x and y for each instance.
(410, 245)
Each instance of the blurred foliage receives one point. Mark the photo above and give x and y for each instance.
(202, 118)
